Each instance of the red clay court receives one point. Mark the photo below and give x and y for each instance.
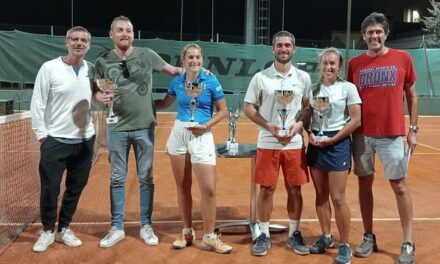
(91, 221)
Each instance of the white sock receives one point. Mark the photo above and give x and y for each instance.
(293, 226)
(187, 230)
(209, 236)
(328, 235)
(264, 228)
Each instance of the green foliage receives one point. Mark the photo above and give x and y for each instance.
(432, 24)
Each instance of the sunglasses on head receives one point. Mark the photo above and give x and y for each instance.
(125, 70)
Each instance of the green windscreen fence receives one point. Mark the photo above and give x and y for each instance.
(21, 55)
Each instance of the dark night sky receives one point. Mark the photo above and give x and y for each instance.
(310, 19)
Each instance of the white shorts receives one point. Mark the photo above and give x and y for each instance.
(201, 148)
(391, 152)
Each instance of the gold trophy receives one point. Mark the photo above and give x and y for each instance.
(321, 104)
(108, 86)
(284, 97)
(234, 116)
(193, 90)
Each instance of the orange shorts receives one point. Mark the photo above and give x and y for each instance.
(292, 161)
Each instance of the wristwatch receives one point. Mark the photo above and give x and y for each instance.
(414, 128)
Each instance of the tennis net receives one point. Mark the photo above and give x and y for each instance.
(19, 176)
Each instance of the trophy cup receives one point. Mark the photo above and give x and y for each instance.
(234, 116)
(108, 86)
(321, 104)
(284, 97)
(193, 90)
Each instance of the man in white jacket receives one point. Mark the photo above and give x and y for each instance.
(62, 123)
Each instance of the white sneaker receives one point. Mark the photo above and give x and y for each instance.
(114, 236)
(147, 234)
(67, 237)
(46, 238)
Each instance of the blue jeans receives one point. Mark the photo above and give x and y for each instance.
(118, 144)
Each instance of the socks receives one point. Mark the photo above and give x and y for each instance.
(264, 228)
(210, 236)
(293, 226)
(187, 230)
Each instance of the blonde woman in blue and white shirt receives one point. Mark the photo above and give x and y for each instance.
(193, 148)
(329, 159)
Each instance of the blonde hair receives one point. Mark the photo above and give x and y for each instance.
(187, 47)
(120, 18)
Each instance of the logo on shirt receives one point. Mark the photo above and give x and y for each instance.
(376, 77)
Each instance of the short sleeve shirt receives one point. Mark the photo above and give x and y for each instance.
(261, 92)
(341, 94)
(212, 91)
(132, 102)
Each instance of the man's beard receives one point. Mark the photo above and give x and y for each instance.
(124, 46)
(282, 60)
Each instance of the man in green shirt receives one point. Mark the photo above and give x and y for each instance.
(133, 123)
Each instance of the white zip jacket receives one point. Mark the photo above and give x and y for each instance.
(60, 104)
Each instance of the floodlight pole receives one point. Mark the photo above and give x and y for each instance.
(212, 20)
(71, 13)
(181, 19)
(347, 38)
(282, 18)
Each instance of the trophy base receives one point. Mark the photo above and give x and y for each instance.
(320, 138)
(190, 124)
(112, 120)
(283, 132)
(232, 146)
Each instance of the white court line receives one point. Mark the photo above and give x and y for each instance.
(428, 146)
(419, 153)
(422, 153)
(309, 220)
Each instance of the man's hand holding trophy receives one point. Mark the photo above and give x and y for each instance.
(284, 97)
(108, 87)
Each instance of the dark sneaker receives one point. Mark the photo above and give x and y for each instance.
(408, 253)
(367, 246)
(344, 254)
(297, 244)
(261, 244)
(322, 244)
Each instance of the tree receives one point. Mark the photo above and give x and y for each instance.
(432, 24)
